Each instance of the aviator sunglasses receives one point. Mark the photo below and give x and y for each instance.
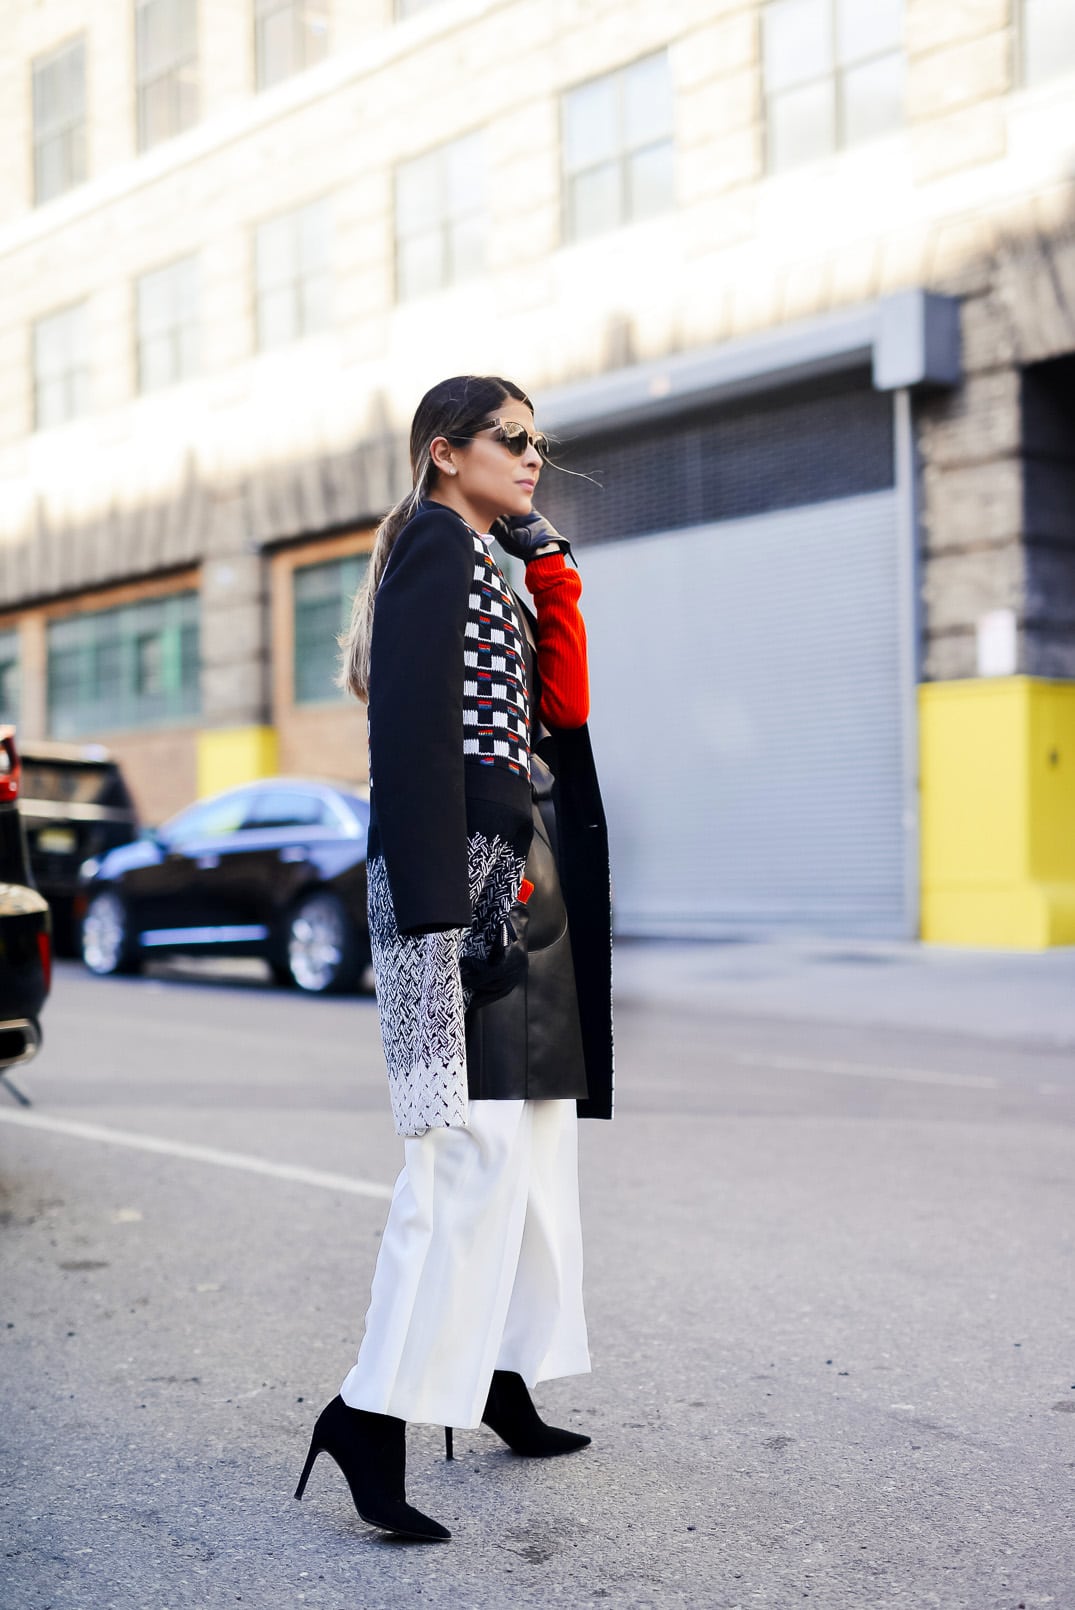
(516, 437)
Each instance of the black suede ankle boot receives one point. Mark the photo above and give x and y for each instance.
(510, 1412)
(371, 1450)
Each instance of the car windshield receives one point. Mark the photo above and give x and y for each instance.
(359, 807)
(209, 818)
(73, 782)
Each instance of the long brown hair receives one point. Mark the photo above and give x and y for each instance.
(455, 408)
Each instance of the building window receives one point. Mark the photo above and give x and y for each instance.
(167, 68)
(167, 312)
(9, 678)
(834, 75)
(59, 98)
(441, 221)
(1048, 39)
(292, 274)
(61, 367)
(618, 148)
(322, 596)
(289, 35)
(136, 666)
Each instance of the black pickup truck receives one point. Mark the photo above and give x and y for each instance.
(25, 924)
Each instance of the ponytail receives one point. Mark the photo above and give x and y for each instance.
(354, 671)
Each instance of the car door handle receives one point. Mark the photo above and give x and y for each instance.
(206, 862)
(293, 852)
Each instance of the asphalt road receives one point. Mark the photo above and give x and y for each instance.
(831, 1293)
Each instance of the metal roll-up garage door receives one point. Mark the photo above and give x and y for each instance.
(750, 700)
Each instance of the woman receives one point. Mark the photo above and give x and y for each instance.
(489, 923)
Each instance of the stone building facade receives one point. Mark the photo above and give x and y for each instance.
(238, 241)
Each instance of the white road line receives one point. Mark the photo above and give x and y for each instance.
(198, 1154)
(862, 1070)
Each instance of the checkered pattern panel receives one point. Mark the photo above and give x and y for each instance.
(496, 707)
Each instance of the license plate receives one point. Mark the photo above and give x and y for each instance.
(56, 840)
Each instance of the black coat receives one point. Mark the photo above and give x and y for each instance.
(552, 1036)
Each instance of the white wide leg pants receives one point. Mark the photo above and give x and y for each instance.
(480, 1266)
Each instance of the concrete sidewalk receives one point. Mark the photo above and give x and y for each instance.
(1001, 995)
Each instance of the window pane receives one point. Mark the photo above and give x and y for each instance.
(466, 248)
(277, 317)
(421, 264)
(167, 47)
(322, 597)
(59, 89)
(149, 664)
(1048, 39)
(50, 169)
(868, 27)
(189, 351)
(873, 98)
(591, 118)
(313, 232)
(419, 194)
(276, 47)
(167, 314)
(796, 42)
(186, 97)
(647, 102)
(651, 181)
(464, 175)
(9, 676)
(122, 667)
(315, 301)
(292, 269)
(76, 159)
(315, 25)
(155, 368)
(594, 201)
(156, 114)
(61, 375)
(59, 105)
(802, 125)
(277, 252)
(167, 30)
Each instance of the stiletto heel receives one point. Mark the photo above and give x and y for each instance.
(449, 1449)
(306, 1469)
(510, 1412)
(371, 1450)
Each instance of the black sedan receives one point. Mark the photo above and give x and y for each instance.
(275, 869)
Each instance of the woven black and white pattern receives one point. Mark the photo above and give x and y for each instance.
(420, 998)
(496, 707)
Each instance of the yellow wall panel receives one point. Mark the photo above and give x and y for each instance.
(228, 756)
(998, 812)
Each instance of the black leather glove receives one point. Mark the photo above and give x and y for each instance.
(529, 536)
(487, 978)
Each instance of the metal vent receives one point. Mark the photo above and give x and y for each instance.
(809, 444)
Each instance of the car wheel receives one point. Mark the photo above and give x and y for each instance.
(323, 953)
(106, 936)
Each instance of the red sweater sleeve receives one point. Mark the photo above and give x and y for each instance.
(561, 641)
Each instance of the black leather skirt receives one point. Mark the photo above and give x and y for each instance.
(528, 1044)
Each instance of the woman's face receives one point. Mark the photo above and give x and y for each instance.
(489, 479)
